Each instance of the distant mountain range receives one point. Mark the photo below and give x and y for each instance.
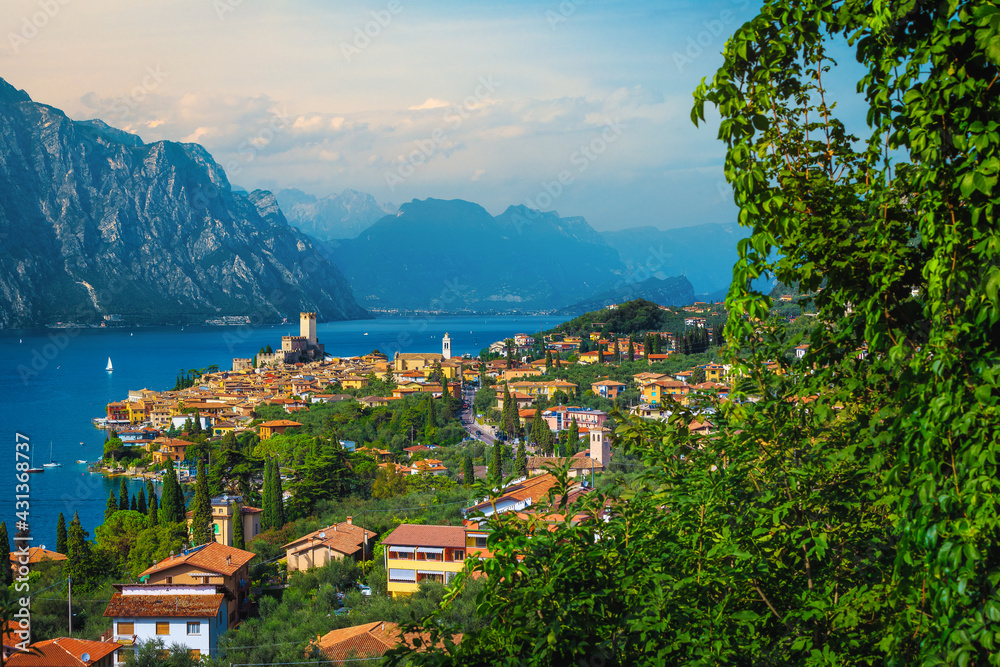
(453, 255)
(94, 222)
(704, 254)
(342, 216)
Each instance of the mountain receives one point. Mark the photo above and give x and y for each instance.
(705, 254)
(94, 222)
(342, 216)
(676, 291)
(453, 255)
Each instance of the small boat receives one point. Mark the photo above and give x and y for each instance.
(52, 463)
(33, 468)
(110, 368)
(366, 333)
(81, 460)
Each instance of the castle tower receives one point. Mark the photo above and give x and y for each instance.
(446, 346)
(307, 327)
(600, 446)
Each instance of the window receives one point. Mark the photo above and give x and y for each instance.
(194, 628)
(216, 527)
(162, 628)
(401, 555)
(168, 580)
(458, 554)
(481, 542)
(126, 629)
(195, 654)
(402, 576)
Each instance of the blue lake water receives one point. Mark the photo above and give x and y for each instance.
(53, 382)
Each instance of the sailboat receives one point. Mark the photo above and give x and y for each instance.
(33, 468)
(52, 463)
(110, 367)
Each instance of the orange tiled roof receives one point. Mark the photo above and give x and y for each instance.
(62, 652)
(166, 606)
(370, 640)
(37, 555)
(211, 557)
(428, 536)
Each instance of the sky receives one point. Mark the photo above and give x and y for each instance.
(575, 106)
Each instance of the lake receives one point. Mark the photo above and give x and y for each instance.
(53, 382)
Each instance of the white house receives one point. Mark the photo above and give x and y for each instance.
(188, 615)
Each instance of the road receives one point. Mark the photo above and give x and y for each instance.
(468, 417)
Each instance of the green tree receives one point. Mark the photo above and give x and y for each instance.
(468, 471)
(495, 470)
(117, 535)
(6, 575)
(201, 508)
(239, 537)
(389, 483)
(111, 507)
(573, 439)
(153, 511)
(61, 535)
(521, 461)
(140, 503)
(267, 516)
(123, 501)
(631, 347)
(548, 362)
(172, 499)
(79, 561)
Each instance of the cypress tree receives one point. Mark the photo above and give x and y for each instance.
(496, 464)
(631, 348)
(111, 507)
(150, 491)
(6, 574)
(558, 362)
(78, 559)
(239, 538)
(172, 500)
(123, 503)
(201, 508)
(267, 516)
(140, 501)
(61, 535)
(153, 511)
(548, 361)
(133, 504)
(445, 396)
(521, 461)
(277, 494)
(468, 472)
(574, 438)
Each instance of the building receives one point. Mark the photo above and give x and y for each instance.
(192, 616)
(607, 388)
(224, 508)
(547, 389)
(208, 564)
(656, 392)
(66, 651)
(276, 427)
(561, 418)
(33, 558)
(517, 496)
(335, 542)
(446, 346)
(416, 553)
(303, 348)
(368, 641)
(415, 361)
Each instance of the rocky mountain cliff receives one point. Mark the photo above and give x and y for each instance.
(95, 222)
(342, 216)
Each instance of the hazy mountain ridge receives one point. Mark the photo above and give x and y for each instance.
(341, 216)
(705, 254)
(436, 254)
(95, 222)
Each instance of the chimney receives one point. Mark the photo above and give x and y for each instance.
(349, 521)
(229, 560)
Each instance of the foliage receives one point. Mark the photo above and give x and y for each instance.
(154, 544)
(846, 510)
(6, 575)
(155, 653)
(119, 533)
(171, 504)
(201, 508)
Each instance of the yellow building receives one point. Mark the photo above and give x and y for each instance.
(276, 427)
(715, 373)
(353, 382)
(422, 553)
(546, 389)
(654, 393)
(224, 508)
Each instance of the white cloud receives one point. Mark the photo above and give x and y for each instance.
(431, 103)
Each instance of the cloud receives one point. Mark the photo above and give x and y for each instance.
(431, 103)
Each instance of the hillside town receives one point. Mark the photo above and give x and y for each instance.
(524, 428)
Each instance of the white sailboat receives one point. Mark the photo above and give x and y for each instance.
(33, 468)
(110, 367)
(52, 463)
